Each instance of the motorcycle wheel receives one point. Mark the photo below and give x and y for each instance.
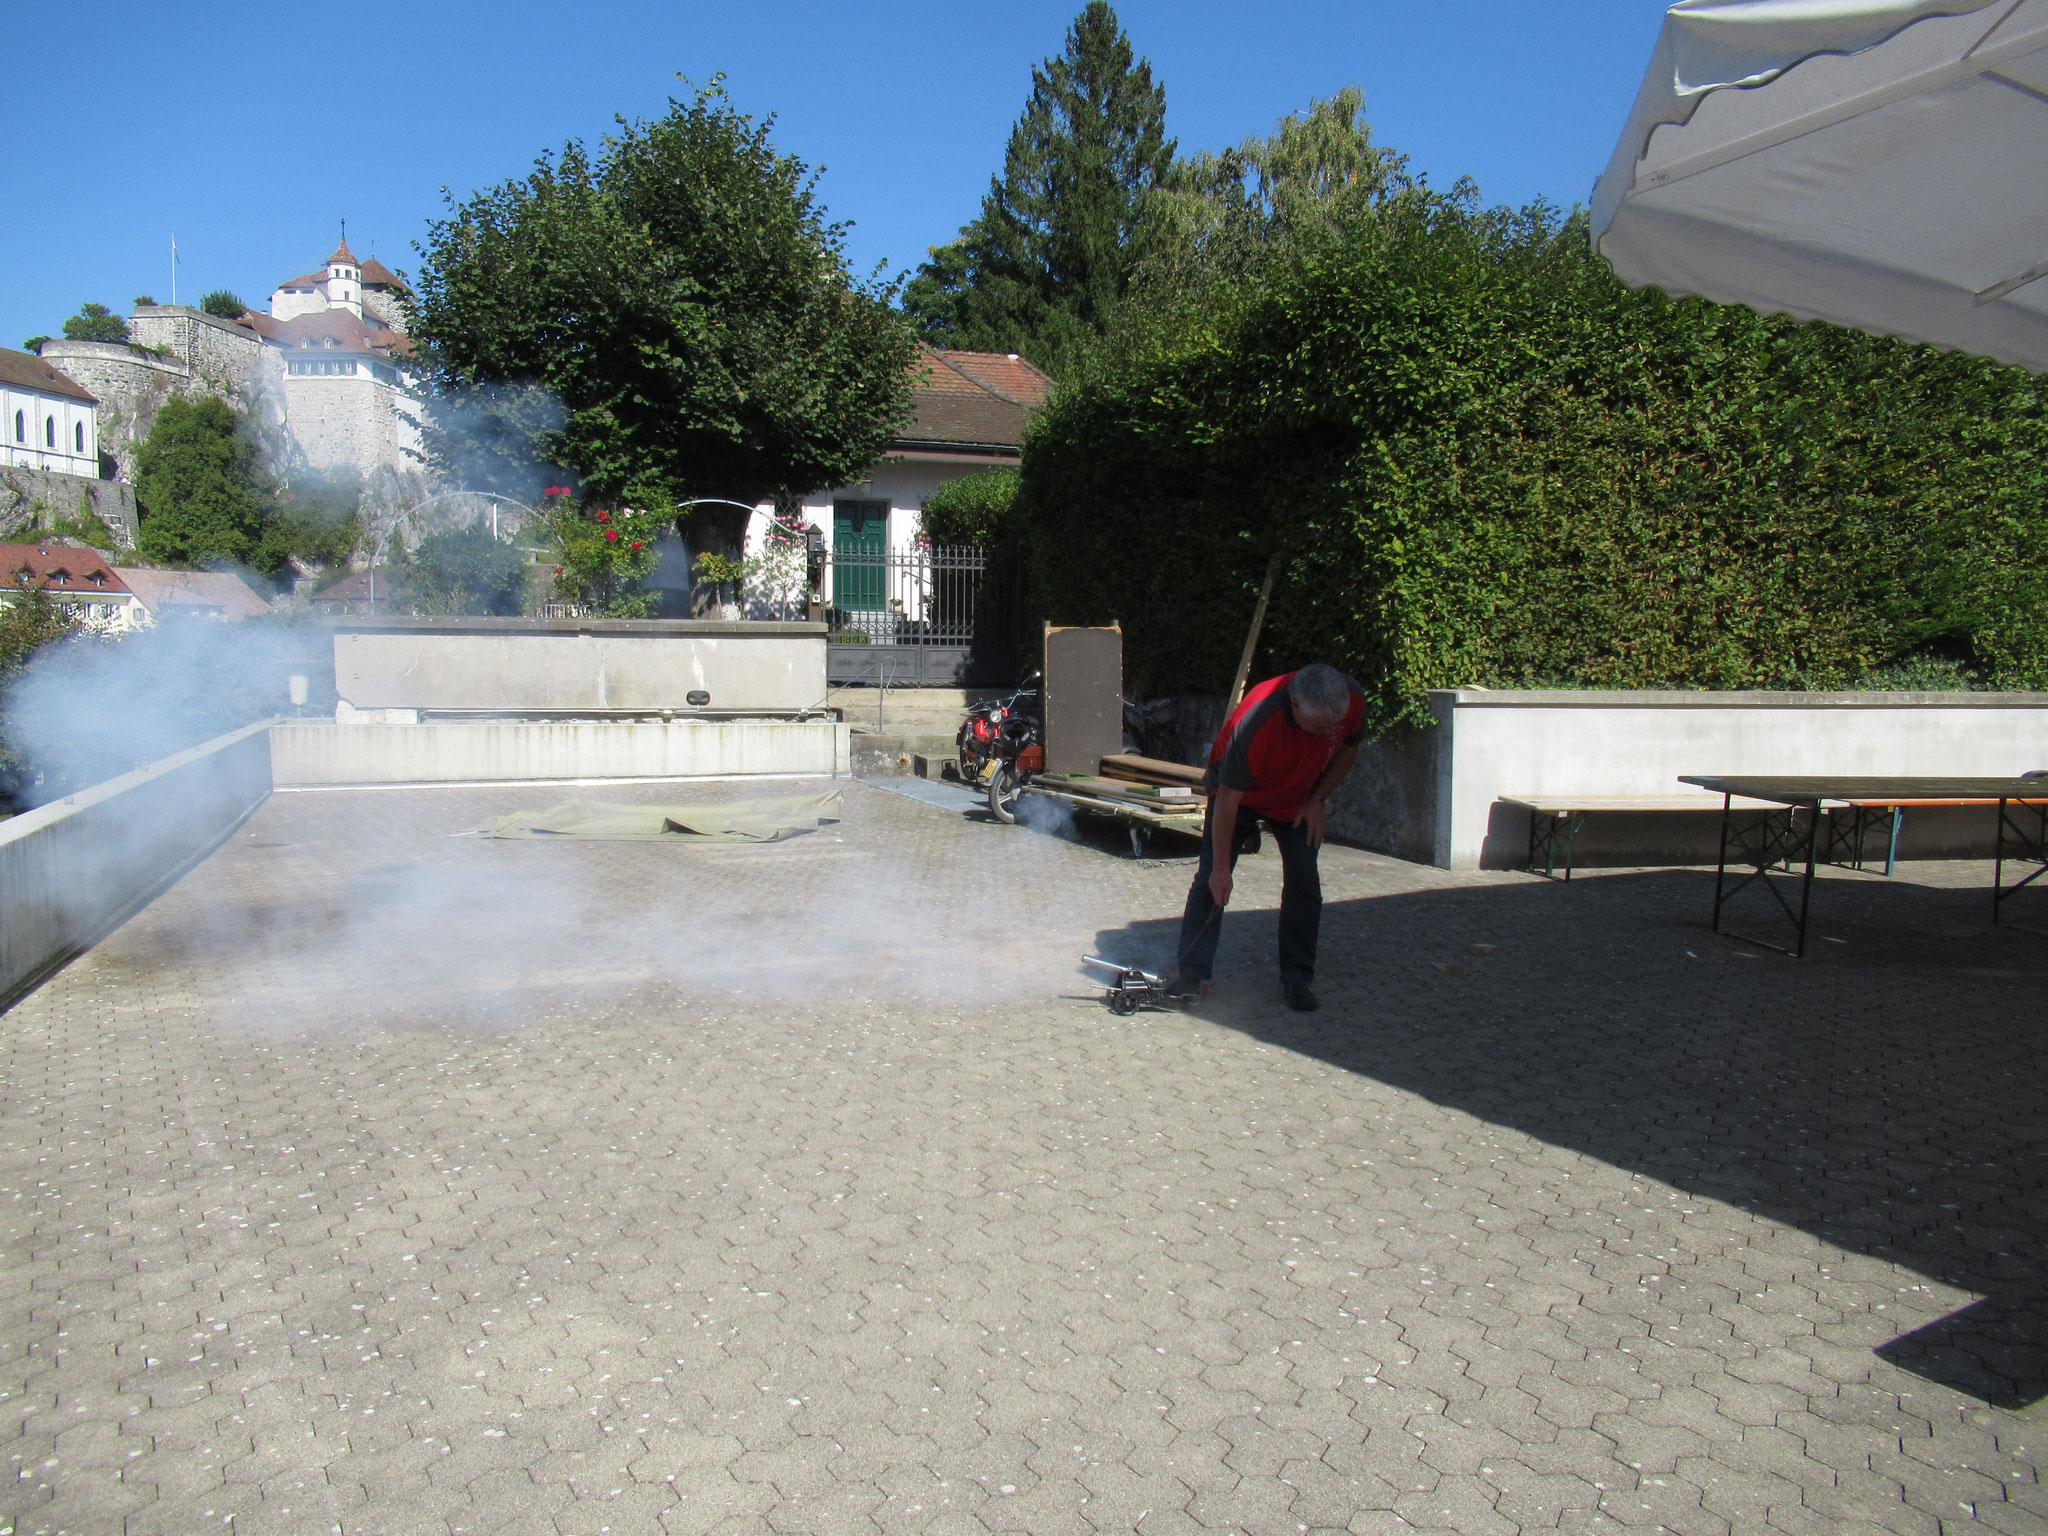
(1004, 786)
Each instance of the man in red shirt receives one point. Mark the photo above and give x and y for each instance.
(1278, 759)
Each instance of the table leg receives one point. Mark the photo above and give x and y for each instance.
(1998, 868)
(1891, 853)
(2035, 853)
(1721, 869)
(1806, 886)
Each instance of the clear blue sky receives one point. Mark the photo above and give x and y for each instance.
(249, 131)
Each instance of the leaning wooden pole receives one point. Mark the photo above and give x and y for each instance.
(1251, 640)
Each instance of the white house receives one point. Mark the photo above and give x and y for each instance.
(367, 289)
(191, 594)
(75, 579)
(969, 411)
(46, 420)
(336, 342)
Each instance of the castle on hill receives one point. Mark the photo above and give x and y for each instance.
(322, 374)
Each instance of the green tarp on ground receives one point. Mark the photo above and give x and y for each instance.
(736, 821)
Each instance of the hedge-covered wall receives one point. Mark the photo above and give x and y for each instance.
(1483, 461)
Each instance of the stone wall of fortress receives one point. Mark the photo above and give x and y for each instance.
(130, 386)
(355, 424)
(322, 424)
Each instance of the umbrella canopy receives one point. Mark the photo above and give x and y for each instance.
(1878, 163)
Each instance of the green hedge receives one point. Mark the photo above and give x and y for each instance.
(1483, 461)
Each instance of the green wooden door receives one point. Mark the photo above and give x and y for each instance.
(860, 549)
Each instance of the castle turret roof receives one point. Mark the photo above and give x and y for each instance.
(343, 254)
(377, 275)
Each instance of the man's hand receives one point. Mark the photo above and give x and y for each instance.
(1315, 816)
(1219, 885)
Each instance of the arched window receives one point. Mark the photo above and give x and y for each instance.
(49, 431)
(78, 436)
(20, 427)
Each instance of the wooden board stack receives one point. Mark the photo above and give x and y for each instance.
(1129, 768)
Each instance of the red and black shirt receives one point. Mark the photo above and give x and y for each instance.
(1263, 754)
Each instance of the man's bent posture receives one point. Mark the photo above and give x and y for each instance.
(1278, 759)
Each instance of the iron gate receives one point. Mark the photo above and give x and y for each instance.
(943, 615)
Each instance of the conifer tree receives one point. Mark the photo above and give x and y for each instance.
(1043, 267)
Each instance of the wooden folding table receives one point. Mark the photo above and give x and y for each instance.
(1773, 838)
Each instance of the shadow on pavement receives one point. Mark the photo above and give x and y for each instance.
(1886, 1094)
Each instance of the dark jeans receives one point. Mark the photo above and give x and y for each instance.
(1301, 902)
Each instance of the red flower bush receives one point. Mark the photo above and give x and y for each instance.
(603, 516)
(637, 544)
(611, 534)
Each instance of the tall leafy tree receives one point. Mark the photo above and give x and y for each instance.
(199, 484)
(1222, 221)
(669, 318)
(1043, 267)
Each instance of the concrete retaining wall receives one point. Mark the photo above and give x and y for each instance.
(74, 870)
(1490, 743)
(313, 752)
(569, 665)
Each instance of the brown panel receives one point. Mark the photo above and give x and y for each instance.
(1084, 697)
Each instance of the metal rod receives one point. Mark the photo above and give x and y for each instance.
(1806, 891)
(1721, 869)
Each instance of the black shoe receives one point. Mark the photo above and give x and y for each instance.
(1301, 997)
(1188, 990)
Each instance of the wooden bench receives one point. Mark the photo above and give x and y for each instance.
(1554, 820)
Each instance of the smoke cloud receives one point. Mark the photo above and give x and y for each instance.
(88, 708)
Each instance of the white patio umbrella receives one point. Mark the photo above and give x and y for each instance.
(1879, 163)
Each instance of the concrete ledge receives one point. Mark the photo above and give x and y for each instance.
(312, 752)
(1688, 698)
(74, 870)
(1490, 743)
(601, 665)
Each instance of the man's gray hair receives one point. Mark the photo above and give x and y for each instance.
(1320, 690)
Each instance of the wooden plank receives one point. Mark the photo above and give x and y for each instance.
(1084, 695)
(1559, 805)
(1170, 795)
(1172, 821)
(1809, 789)
(1150, 770)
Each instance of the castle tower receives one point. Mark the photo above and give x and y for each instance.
(344, 283)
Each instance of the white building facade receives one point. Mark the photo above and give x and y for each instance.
(969, 412)
(47, 421)
(336, 340)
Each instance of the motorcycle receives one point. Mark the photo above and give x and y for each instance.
(974, 746)
(1018, 753)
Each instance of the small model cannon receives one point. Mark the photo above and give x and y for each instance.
(1134, 989)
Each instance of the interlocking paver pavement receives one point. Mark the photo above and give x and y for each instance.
(375, 1181)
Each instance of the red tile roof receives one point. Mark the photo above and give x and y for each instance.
(343, 253)
(377, 275)
(222, 591)
(56, 568)
(348, 333)
(977, 400)
(24, 370)
(999, 373)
